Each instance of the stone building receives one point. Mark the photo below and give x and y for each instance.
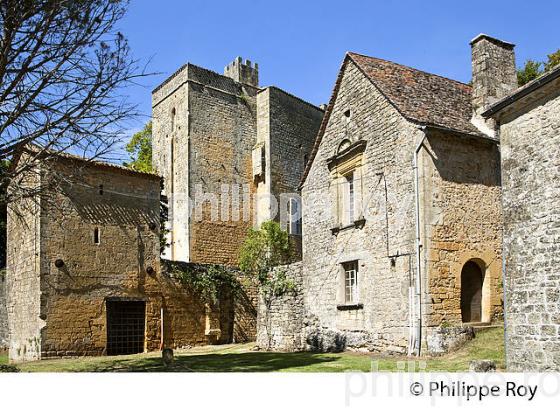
(84, 275)
(3, 313)
(231, 148)
(528, 122)
(402, 217)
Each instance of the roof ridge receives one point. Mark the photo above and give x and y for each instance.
(291, 95)
(350, 53)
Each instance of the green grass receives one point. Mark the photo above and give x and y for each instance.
(241, 358)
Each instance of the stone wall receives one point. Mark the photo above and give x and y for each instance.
(205, 127)
(4, 336)
(60, 310)
(22, 276)
(459, 215)
(280, 319)
(287, 127)
(383, 247)
(530, 137)
(462, 221)
(122, 209)
(204, 130)
(230, 319)
(293, 127)
(222, 133)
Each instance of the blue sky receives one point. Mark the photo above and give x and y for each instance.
(299, 45)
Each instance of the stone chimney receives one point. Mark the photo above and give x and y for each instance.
(493, 70)
(243, 73)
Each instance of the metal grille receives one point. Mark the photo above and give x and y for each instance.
(125, 327)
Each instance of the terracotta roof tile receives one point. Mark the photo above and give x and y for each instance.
(420, 96)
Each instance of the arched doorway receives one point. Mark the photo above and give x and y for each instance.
(472, 279)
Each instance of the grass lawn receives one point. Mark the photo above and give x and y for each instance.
(488, 344)
(3, 357)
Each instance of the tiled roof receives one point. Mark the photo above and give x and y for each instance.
(419, 96)
(34, 149)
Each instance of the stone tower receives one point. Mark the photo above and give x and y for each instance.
(207, 131)
(243, 73)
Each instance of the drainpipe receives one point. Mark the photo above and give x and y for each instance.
(162, 345)
(417, 288)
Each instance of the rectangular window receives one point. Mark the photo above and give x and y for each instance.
(96, 236)
(350, 282)
(294, 216)
(348, 199)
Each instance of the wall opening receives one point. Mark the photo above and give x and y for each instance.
(472, 279)
(126, 321)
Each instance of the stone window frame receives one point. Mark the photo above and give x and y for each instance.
(344, 302)
(294, 227)
(348, 161)
(258, 162)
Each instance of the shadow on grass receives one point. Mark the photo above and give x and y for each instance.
(233, 362)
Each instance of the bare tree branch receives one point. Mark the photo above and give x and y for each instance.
(64, 69)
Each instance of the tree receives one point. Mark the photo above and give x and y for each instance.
(261, 254)
(530, 71)
(63, 71)
(534, 69)
(140, 149)
(553, 60)
(264, 249)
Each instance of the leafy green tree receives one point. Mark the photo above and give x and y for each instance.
(534, 69)
(530, 71)
(140, 150)
(264, 249)
(553, 60)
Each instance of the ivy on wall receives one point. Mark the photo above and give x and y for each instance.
(207, 281)
(263, 250)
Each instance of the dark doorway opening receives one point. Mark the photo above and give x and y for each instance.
(471, 292)
(125, 327)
